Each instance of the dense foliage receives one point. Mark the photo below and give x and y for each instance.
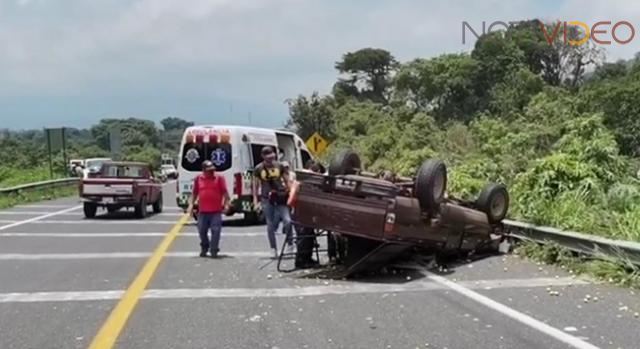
(24, 156)
(553, 122)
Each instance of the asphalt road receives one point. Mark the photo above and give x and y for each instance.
(62, 275)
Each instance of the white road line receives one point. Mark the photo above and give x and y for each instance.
(63, 205)
(118, 234)
(42, 206)
(116, 255)
(27, 213)
(92, 221)
(540, 326)
(37, 219)
(336, 289)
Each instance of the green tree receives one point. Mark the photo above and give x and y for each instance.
(368, 71)
(312, 114)
(444, 86)
(173, 123)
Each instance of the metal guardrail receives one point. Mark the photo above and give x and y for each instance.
(577, 242)
(56, 183)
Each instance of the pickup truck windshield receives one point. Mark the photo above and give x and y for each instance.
(94, 163)
(123, 171)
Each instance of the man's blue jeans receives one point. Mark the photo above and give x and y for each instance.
(213, 222)
(274, 215)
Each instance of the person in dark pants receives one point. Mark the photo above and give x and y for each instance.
(306, 236)
(211, 193)
(272, 183)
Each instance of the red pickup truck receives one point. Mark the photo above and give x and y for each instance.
(381, 215)
(121, 184)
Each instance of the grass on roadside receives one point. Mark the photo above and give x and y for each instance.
(10, 177)
(617, 271)
(9, 200)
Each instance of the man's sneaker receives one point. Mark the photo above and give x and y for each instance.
(290, 248)
(214, 254)
(203, 253)
(275, 253)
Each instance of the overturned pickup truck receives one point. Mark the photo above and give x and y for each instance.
(379, 216)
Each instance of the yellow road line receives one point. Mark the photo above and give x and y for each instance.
(110, 330)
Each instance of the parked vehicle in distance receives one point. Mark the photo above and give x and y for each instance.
(121, 184)
(93, 165)
(75, 167)
(381, 215)
(169, 170)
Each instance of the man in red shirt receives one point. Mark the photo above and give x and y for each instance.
(213, 199)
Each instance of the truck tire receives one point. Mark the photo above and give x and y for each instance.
(431, 184)
(157, 206)
(141, 208)
(345, 162)
(494, 201)
(90, 209)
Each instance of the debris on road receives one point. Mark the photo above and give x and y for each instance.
(255, 318)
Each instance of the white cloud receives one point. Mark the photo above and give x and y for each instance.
(252, 50)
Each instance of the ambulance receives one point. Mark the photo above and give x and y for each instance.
(235, 152)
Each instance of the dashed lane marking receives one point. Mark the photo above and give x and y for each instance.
(87, 221)
(28, 213)
(37, 219)
(110, 330)
(66, 205)
(336, 289)
(538, 325)
(120, 234)
(117, 255)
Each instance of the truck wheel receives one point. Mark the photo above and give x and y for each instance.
(345, 162)
(90, 210)
(157, 206)
(431, 184)
(141, 208)
(494, 201)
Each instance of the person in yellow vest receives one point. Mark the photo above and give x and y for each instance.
(270, 193)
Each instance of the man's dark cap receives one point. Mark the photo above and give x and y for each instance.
(266, 151)
(208, 165)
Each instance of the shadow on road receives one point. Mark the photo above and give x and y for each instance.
(407, 268)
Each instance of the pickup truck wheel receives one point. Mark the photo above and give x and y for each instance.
(141, 207)
(157, 206)
(494, 201)
(431, 184)
(90, 210)
(345, 162)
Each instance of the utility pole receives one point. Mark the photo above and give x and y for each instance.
(64, 148)
(49, 151)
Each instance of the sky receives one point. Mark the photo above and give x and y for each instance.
(72, 62)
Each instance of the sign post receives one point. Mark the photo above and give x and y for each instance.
(46, 132)
(316, 144)
(115, 143)
(55, 143)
